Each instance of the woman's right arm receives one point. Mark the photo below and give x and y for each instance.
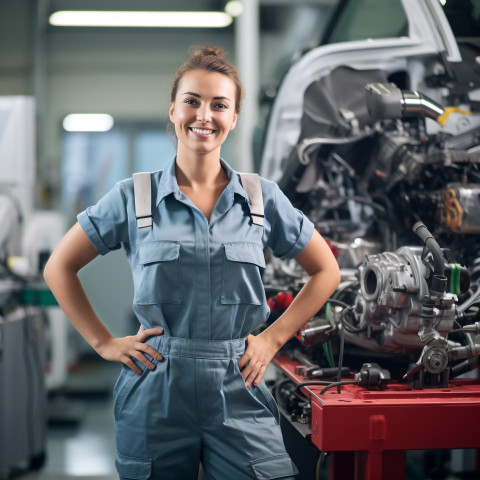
(61, 274)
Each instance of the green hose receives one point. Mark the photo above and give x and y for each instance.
(455, 278)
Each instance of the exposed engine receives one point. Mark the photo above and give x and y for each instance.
(377, 140)
(391, 191)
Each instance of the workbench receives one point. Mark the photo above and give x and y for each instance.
(368, 432)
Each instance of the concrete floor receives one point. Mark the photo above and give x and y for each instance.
(80, 435)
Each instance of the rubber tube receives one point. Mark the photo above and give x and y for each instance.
(439, 282)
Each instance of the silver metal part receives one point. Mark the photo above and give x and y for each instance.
(435, 356)
(415, 103)
(390, 303)
(351, 254)
(386, 100)
(313, 329)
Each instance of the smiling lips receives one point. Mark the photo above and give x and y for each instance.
(202, 131)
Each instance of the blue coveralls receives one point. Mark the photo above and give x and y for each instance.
(201, 282)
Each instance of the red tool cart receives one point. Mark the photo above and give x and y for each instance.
(369, 432)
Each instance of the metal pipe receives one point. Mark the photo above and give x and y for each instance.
(415, 103)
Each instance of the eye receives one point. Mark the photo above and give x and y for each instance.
(190, 101)
(221, 106)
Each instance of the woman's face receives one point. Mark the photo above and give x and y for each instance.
(203, 111)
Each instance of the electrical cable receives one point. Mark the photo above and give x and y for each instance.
(340, 353)
(278, 385)
(338, 302)
(347, 308)
(342, 335)
(275, 388)
(326, 345)
(338, 384)
(348, 326)
(317, 383)
(319, 465)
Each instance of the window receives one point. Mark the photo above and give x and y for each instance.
(363, 19)
(93, 162)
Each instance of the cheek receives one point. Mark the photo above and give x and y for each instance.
(182, 117)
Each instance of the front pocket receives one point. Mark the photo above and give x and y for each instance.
(159, 278)
(242, 274)
(124, 384)
(276, 466)
(272, 404)
(128, 379)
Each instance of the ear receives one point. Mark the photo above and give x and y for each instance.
(234, 121)
(171, 112)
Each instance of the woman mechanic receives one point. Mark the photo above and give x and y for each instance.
(191, 387)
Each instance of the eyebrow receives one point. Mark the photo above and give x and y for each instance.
(199, 96)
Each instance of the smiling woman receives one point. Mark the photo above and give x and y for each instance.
(203, 113)
(192, 390)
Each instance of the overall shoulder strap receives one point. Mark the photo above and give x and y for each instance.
(251, 185)
(142, 186)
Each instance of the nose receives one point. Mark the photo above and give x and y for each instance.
(204, 114)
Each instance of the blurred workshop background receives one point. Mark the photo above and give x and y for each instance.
(84, 105)
(49, 72)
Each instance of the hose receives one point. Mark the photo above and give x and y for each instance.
(468, 303)
(439, 281)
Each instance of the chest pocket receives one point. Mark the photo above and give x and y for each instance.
(159, 276)
(242, 280)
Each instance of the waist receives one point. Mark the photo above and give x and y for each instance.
(213, 349)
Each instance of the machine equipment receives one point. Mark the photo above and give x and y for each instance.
(26, 239)
(377, 140)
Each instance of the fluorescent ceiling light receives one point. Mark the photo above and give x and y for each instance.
(234, 8)
(88, 122)
(76, 18)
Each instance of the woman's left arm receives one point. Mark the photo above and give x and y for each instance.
(324, 276)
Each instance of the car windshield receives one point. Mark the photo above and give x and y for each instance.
(362, 19)
(369, 19)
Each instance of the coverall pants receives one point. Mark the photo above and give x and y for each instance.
(194, 407)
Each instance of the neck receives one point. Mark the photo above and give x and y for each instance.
(199, 170)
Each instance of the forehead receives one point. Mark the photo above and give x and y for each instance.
(208, 84)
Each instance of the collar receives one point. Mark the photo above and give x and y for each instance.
(168, 182)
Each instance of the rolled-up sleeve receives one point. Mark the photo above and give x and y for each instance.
(291, 229)
(106, 222)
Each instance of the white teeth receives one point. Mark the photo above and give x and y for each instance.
(202, 131)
